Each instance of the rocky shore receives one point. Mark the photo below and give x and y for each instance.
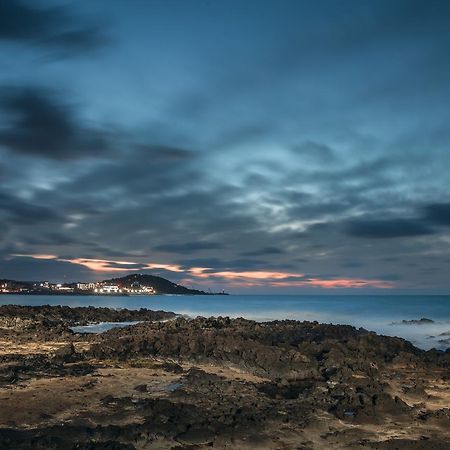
(213, 383)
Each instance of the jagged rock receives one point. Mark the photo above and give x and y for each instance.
(141, 388)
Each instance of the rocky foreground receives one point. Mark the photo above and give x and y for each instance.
(213, 383)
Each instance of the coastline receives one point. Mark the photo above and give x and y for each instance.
(384, 315)
(214, 381)
(100, 294)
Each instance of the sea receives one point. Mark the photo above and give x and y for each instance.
(383, 314)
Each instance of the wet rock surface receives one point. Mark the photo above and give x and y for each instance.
(213, 382)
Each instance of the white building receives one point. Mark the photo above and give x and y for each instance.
(108, 289)
(60, 287)
(86, 286)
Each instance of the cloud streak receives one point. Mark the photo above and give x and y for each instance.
(388, 228)
(199, 275)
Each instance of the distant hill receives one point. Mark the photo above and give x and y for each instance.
(159, 284)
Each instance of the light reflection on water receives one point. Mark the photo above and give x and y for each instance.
(375, 313)
(100, 327)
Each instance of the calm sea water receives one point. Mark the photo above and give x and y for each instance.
(375, 313)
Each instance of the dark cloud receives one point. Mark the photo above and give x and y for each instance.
(188, 247)
(117, 265)
(51, 238)
(52, 28)
(30, 269)
(57, 238)
(264, 251)
(215, 264)
(162, 154)
(387, 228)
(200, 262)
(94, 249)
(246, 264)
(37, 123)
(352, 264)
(22, 212)
(132, 173)
(390, 259)
(438, 213)
(388, 277)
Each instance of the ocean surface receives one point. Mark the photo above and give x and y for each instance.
(380, 313)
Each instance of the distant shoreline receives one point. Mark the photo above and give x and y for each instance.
(97, 294)
(129, 285)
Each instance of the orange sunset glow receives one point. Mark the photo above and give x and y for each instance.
(246, 278)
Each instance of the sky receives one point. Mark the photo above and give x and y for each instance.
(256, 147)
